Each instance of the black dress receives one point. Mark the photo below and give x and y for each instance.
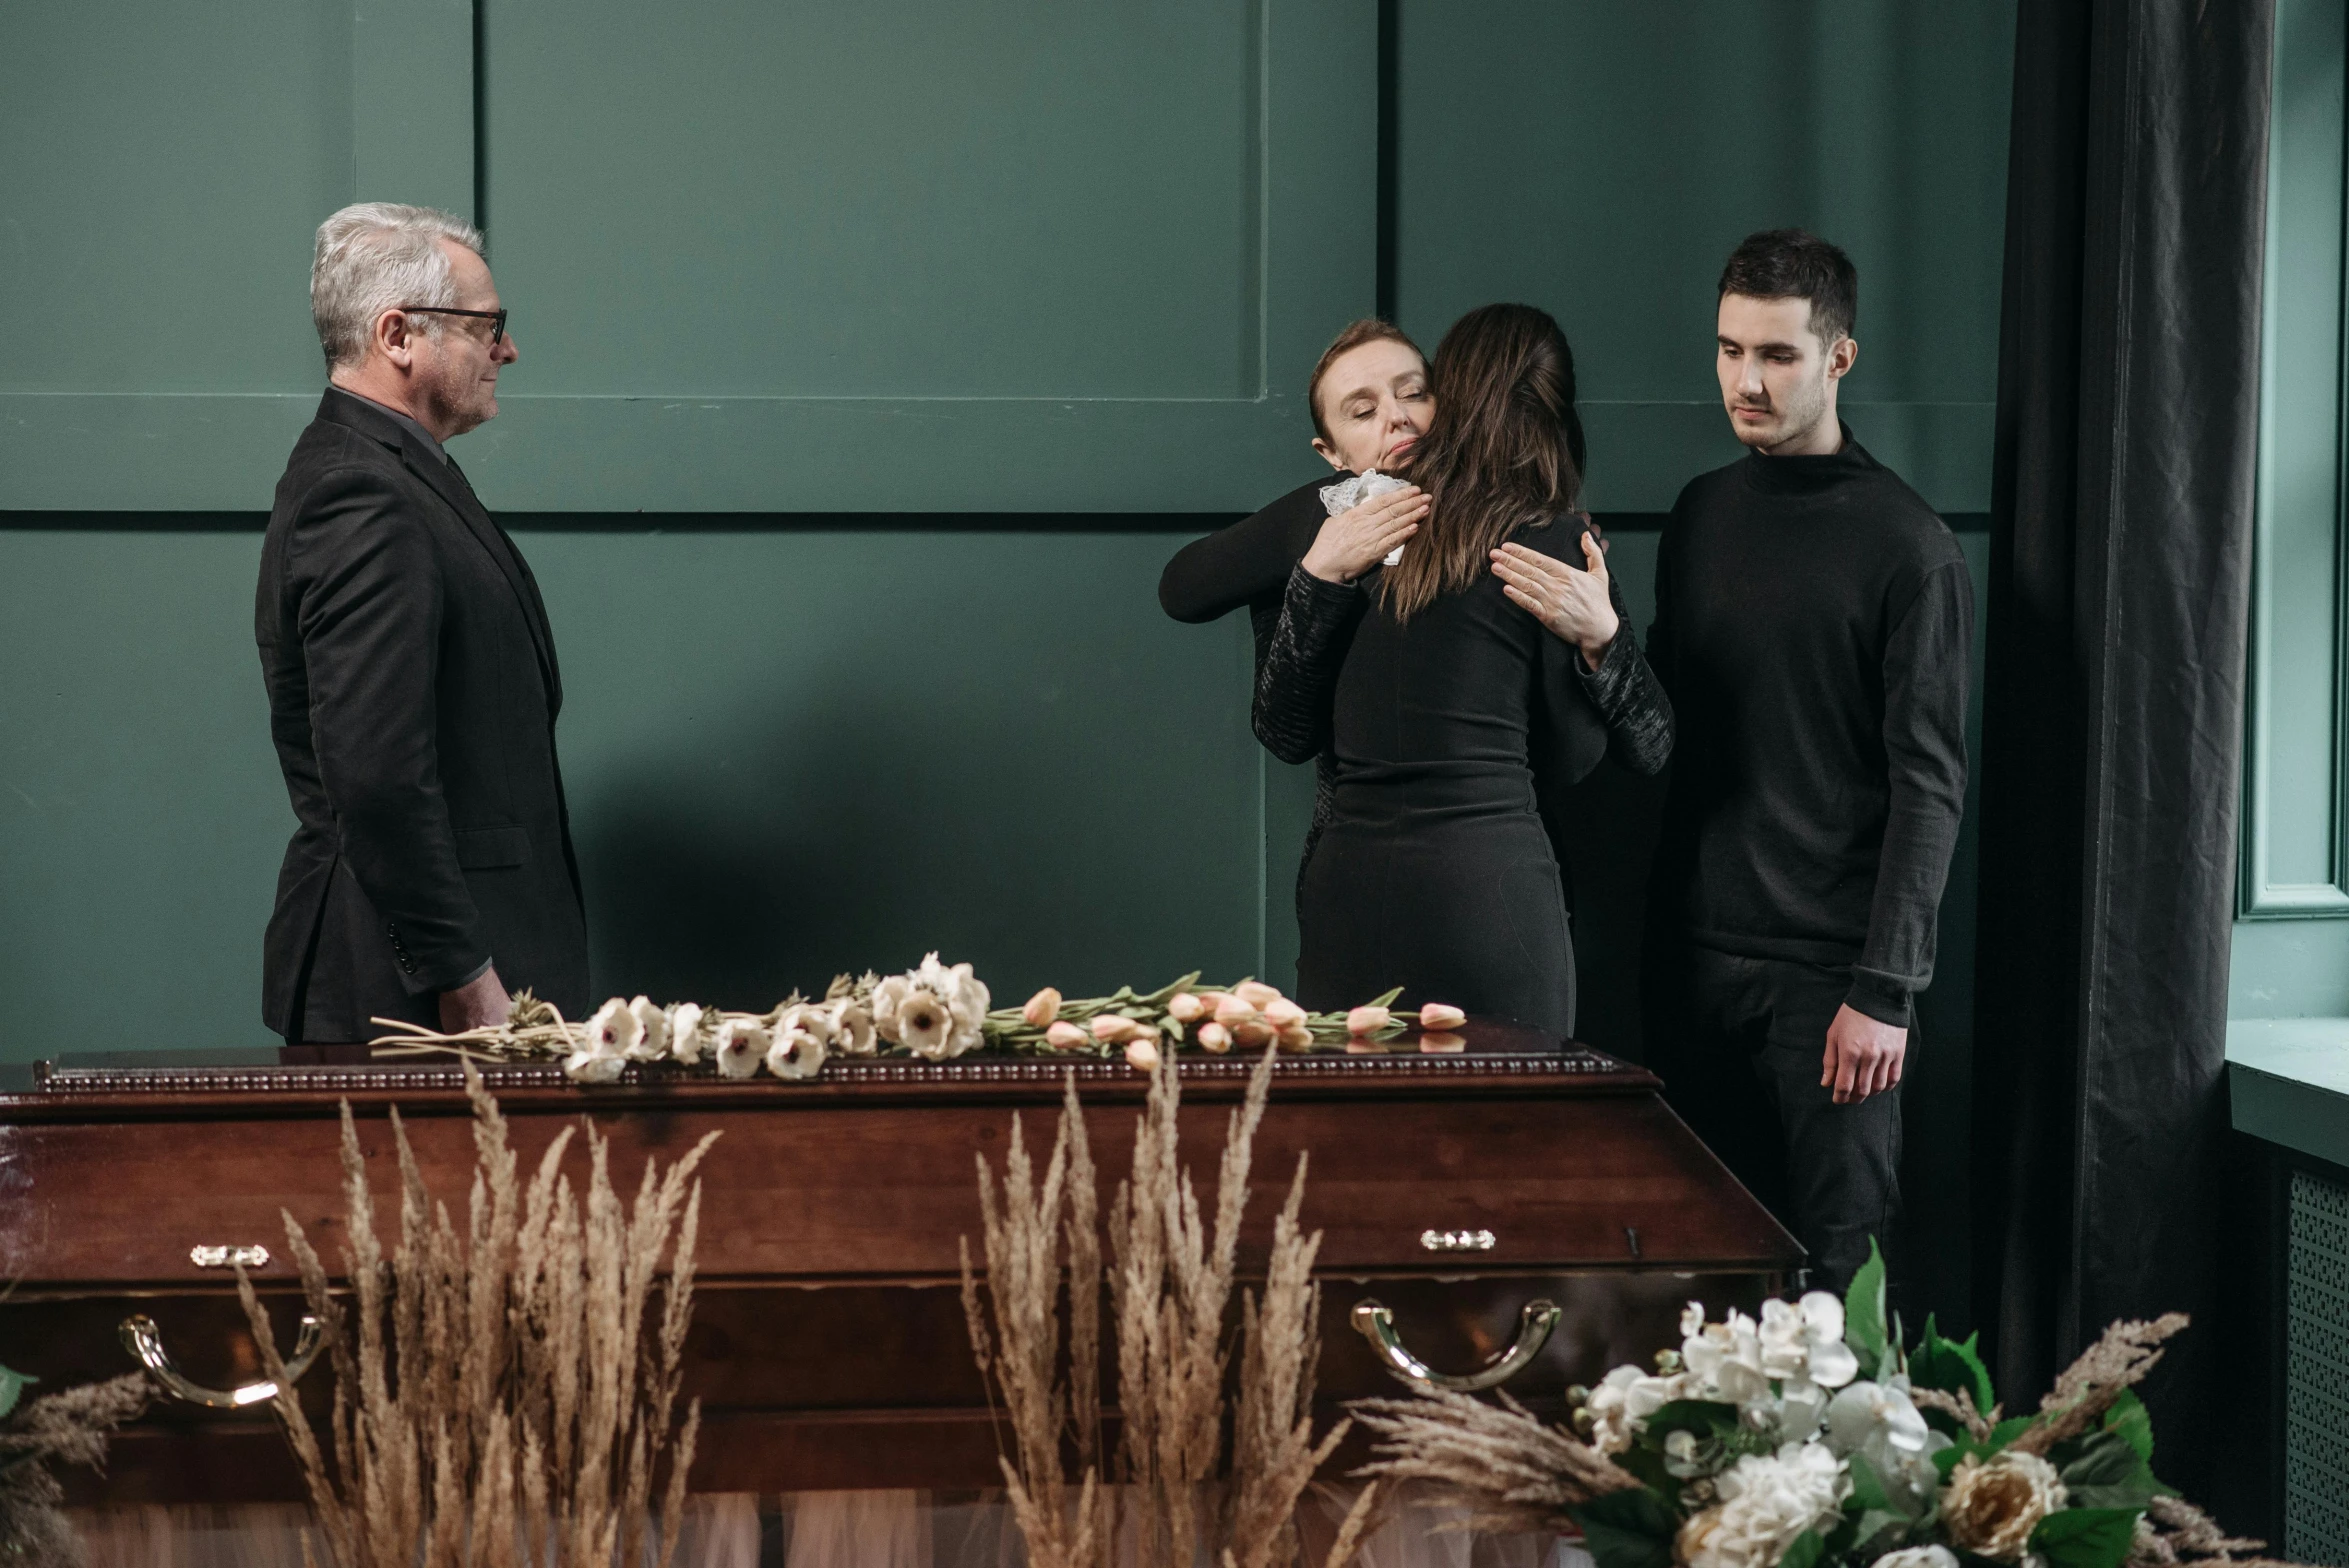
(1434, 871)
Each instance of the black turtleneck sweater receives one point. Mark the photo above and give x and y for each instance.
(1814, 623)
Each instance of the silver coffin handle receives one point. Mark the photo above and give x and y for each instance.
(1377, 1324)
(144, 1340)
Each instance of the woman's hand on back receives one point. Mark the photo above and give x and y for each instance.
(1358, 539)
(1575, 606)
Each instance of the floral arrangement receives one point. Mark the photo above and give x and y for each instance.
(934, 1011)
(1811, 1437)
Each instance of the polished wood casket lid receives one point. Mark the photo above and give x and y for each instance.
(1508, 1154)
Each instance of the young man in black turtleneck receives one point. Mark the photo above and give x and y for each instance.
(1813, 626)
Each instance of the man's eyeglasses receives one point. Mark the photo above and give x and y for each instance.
(496, 318)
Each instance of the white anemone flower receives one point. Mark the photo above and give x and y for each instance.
(966, 998)
(652, 1031)
(742, 1044)
(685, 1033)
(925, 1025)
(587, 1067)
(614, 1031)
(801, 1034)
(851, 1027)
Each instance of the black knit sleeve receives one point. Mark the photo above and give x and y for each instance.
(1926, 665)
(1627, 694)
(1245, 563)
(1297, 666)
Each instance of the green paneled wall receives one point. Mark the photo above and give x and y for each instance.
(772, 265)
(789, 753)
(1601, 162)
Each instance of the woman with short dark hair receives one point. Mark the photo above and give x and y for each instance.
(1446, 687)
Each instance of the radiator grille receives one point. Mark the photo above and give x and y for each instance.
(2316, 1379)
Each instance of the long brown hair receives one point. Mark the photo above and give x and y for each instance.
(1505, 450)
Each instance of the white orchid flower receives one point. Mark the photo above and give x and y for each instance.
(1881, 1422)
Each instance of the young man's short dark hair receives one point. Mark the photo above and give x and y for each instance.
(1797, 264)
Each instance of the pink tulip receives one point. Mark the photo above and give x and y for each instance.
(1441, 1015)
(1186, 1007)
(1110, 1028)
(1368, 1020)
(1143, 1054)
(1232, 1010)
(1282, 1013)
(1065, 1036)
(1252, 1032)
(1212, 1000)
(1214, 1037)
(1295, 1037)
(1257, 994)
(1042, 1008)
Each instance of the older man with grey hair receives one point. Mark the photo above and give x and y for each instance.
(411, 671)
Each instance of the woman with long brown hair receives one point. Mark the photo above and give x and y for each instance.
(1444, 700)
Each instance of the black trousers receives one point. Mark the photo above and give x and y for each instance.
(1739, 1043)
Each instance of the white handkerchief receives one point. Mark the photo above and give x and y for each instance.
(1348, 494)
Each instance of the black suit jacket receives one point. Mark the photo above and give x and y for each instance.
(412, 697)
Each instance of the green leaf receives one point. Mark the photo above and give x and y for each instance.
(1952, 1367)
(12, 1387)
(1880, 1530)
(1870, 1495)
(1647, 1465)
(2109, 1473)
(2085, 1537)
(1704, 1417)
(2007, 1431)
(2132, 1423)
(1628, 1529)
(1804, 1552)
(1863, 1310)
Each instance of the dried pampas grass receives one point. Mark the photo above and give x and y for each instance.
(1510, 1471)
(68, 1428)
(503, 1395)
(1170, 1280)
(2120, 1358)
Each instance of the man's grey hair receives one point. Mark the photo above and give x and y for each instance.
(376, 256)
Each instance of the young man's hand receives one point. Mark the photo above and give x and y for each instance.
(1863, 1056)
(1356, 540)
(1574, 605)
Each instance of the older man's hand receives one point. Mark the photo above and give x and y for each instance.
(480, 1003)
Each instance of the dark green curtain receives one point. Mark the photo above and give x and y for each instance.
(2120, 567)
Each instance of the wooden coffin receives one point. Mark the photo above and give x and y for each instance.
(828, 1346)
